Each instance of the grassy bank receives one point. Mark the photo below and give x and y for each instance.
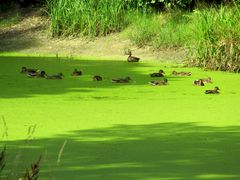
(210, 35)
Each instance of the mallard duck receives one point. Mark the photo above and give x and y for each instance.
(26, 70)
(122, 80)
(207, 80)
(159, 82)
(56, 76)
(38, 74)
(214, 91)
(131, 58)
(181, 73)
(97, 78)
(199, 82)
(159, 74)
(76, 73)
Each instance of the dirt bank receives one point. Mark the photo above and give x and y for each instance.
(32, 35)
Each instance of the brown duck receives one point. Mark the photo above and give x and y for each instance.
(55, 77)
(159, 74)
(199, 82)
(132, 58)
(122, 80)
(97, 78)
(26, 70)
(76, 73)
(182, 73)
(214, 91)
(159, 82)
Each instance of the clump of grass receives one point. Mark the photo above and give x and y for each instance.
(3, 159)
(160, 30)
(218, 34)
(144, 29)
(33, 173)
(88, 17)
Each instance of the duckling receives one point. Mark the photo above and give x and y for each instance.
(131, 58)
(97, 78)
(122, 80)
(207, 80)
(76, 73)
(199, 82)
(181, 73)
(159, 74)
(214, 91)
(26, 70)
(56, 76)
(159, 82)
(38, 74)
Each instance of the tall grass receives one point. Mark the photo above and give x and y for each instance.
(218, 34)
(88, 17)
(160, 30)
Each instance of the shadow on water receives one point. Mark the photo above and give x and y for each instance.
(182, 151)
(13, 41)
(14, 85)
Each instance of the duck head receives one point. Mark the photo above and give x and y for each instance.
(128, 78)
(216, 88)
(161, 71)
(42, 73)
(60, 74)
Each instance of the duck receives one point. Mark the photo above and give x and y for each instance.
(132, 58)
(207, 80)
(214, 91)
(122, 80)
(56, 76)
(26, 70)
(38, 74)
(159, 74)
(76, 72)
(159, 82)
(97, 78)
(199, 82)
(182, 73)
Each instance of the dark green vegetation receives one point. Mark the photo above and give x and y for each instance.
(91, 17)
(107, 130)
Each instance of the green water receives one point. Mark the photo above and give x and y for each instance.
(118, 131)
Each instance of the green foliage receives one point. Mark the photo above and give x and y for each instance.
(218, 34)
(211, 35)
(161, 30)
(88, 17)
